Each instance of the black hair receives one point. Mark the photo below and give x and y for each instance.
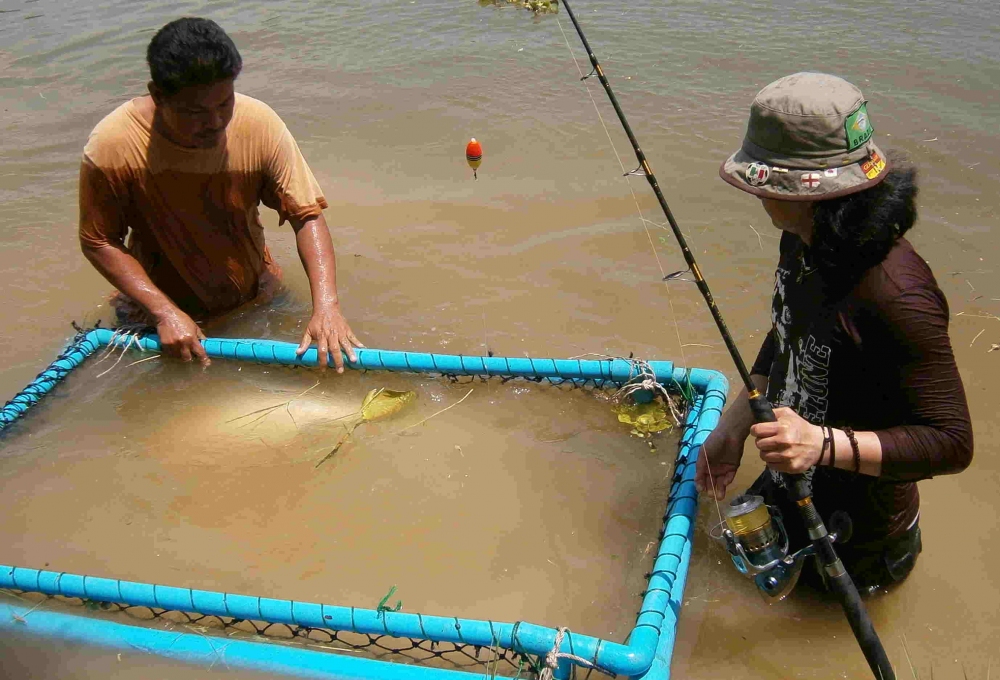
(853, 233)
(191, 51)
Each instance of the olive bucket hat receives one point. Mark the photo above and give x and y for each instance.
(809, 138)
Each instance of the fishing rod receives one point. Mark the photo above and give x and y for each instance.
(752, 538)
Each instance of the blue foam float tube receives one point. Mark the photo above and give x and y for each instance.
(277, 352)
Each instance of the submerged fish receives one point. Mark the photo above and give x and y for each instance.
(381, 403)
(378, 403)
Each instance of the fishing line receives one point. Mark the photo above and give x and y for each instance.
(715, 494)
(625, 173)
(649, 237)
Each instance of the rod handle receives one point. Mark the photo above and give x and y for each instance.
(761, 408)
(796, 485)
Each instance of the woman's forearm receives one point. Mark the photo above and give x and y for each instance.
(869, 449)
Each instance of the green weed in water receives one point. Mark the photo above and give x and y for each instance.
(536, 6)
(686, 389)
(645, 419)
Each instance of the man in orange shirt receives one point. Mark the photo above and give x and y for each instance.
(169, 189)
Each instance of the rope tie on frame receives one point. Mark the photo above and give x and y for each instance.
(553, 656)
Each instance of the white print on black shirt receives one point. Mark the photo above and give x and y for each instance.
(806, 359)
(800, 371)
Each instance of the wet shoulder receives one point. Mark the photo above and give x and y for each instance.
(254, 119)
(118, 140)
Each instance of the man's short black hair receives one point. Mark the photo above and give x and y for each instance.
(191, 51)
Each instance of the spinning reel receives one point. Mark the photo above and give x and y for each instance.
(755, 537)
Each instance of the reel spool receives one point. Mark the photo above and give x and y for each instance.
(755, 537)
(757, 541)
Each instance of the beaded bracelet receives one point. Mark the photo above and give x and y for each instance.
(854, 447)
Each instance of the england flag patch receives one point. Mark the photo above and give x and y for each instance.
(810, 180)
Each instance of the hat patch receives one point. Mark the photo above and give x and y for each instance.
(874, 166)
(757, 174)
(858, 127)
(830, 172)
(811, 180)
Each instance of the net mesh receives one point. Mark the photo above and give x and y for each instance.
(492, 660)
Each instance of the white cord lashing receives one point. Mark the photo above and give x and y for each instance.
(554, 655)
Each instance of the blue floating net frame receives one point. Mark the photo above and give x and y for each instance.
(464, 643)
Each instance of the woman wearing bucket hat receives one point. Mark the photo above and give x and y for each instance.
(858, 362)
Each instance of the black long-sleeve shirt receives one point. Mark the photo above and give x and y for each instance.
(877, 360)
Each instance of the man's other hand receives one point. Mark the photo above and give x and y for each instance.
(329, 330)
(180, 336)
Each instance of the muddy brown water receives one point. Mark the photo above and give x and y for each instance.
(518, 502)
(544, 254)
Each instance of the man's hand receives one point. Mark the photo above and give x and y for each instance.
(180, 336)
(792, 444)
(718, 462)
(329, 329)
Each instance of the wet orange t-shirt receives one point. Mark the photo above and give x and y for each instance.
(189, 216)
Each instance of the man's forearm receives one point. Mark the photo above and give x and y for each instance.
(312, 239)
(126, 274)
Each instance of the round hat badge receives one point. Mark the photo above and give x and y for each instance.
(758, 174)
